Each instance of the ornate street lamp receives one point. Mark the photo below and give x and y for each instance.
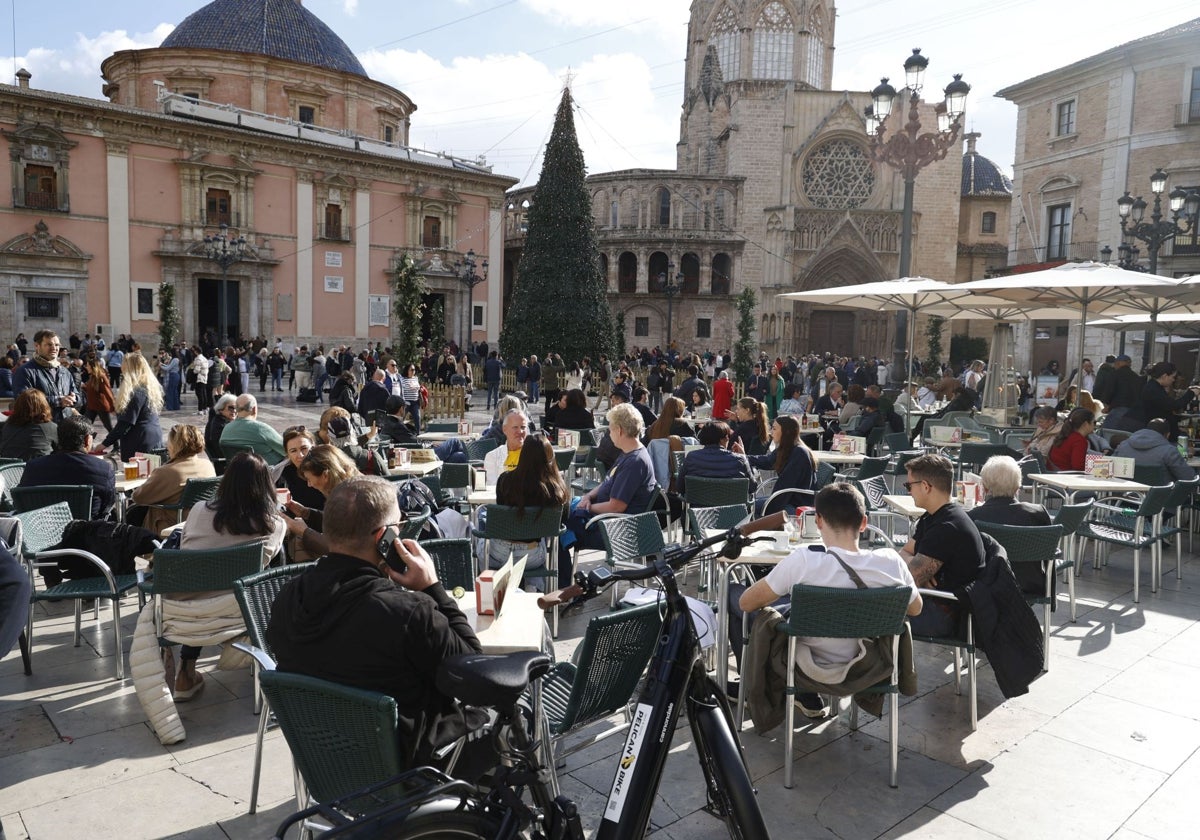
(670, 289)
(225, 249)
(908, 150)
(464, 272)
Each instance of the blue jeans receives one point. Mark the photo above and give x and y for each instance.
(414, 410)
(585, 537)
(277, 379)
(451, 452)
(533, 390)
(320, 386)
(493, 394)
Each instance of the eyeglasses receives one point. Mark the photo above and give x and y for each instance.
(294, 430)
(908, 484)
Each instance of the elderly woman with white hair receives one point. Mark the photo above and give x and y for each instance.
(1001, 477)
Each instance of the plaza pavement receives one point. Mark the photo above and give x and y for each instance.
(1103, 746)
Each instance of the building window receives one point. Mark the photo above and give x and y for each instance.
(218, 208)
(728, 42)
(641, 327)
(662, 203)
(1058, 244)
(477, 315)
(704, 328)
(145, 301)
(40, 156)
(43, 307)
(1066, 118)
(774, 41)
(192, 95)
(1188, 244)
(722, 274)
(814, 64)
(306, 114)
(1194, 99)
(389, 133)
(333, 227)
(988, 224)
(612, 214)
(838, 175)
(627, 273)
(41, 187)
(431, 232)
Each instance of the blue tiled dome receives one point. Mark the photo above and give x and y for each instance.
(279, 28)
(981, 177)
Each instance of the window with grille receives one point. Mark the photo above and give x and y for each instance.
(1066, 118)
(814, 59)
(1058, 242)
(728, 42)
(838, 175)
(43, 307)
(988, 224)
(145, 301)
(704, 328)
(641, 327)
(774, 42)
(218, 207)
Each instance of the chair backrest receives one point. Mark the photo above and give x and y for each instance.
(454, 561)
(413, 523)
(615, 650)
(872, 467)
(848, 613)
(701, 519)
(476, 449)
(1155, 501)
(629, 537)
(77, 496)
(43, 527)
(825, 474)
(198, 490)
(563, 458)
(1182, 491)
(976, 454)
(205, 570)
(342, 739)
(456, 476)
(1031, 550)
(436, 426)
(256, 595)
(231, 449)
(709, 492)
(1152, 474)
(873, 490)
(505, 522)
(1070, 517)
(898, 441)
(874, 439)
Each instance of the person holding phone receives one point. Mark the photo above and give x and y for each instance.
(357, 620)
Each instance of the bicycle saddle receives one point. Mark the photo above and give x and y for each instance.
(478, 679)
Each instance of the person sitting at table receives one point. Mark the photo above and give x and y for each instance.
(641, 401)
(946, 551)
(714, 459)
(71, 464)
(507, 403)
(220, 415)
(28, 433)
(247, 430)
(535, 482)
(840, 564)
(852, 407)
(1070, 447)
(394, 428)
(185, 451)
(243, 510)
(138, 405)
(1069, 401)
(504, 458)
(1001, 478)
(670, 422)
(701, 408)
(337, 429)
(629, 488)
(751, 429)
(793, 464)
(795, 401)
(1046, 429)
(1156, 400)
(870, 419)
(298, 442)
(829, 405)
(323, 468)
(354, 620)
(573, 412)
(1151, 446)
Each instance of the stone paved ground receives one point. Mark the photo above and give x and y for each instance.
(1104, 745)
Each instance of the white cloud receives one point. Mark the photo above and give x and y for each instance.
(666, 18)
(77, 69)
(350, 7)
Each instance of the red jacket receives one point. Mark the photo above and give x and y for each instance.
(722, 398)
(1070, 454)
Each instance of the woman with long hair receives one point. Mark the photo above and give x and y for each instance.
(792, 461)
(28, 432)
(670, 422)
(97, 393)
(774, 395)
(297, 443)
(185, 448)
(323, 468)
(535, 482)
(1070, 447)
(574, 413)
(138, 406)
(171, 380)
(410, 390)
(751, 429)
(244, 510)
(701, 408)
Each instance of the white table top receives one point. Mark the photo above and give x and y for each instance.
(762, 553)
(521, 625)
(414, 468)
(128, 485)
(486, 496)
(438, 437)
(839, 457)
(1078, 482)
(904, 505)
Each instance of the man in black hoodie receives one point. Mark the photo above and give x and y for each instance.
(347, 620)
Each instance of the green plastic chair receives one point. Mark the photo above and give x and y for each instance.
(441, 426)
(1180, 498)
(77, 496)
(628, 538)
(454, 561)
(1033, 552)
(228, 450)
(43, 528)
(1118, 522)
(846, 614)
(713, 492)
(701, 519)
(504, 522)
(195, 490)
(1155, 475)
(256, 595)
(476, 449)
(870, 467)
(960, 643)
(611, 659)
(178, 571)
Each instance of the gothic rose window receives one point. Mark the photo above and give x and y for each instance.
(838, 175)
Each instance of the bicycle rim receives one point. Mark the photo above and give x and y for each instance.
(453, 826)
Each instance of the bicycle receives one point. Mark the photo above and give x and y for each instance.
(426, 803)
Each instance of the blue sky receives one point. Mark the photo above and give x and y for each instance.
(486, 75)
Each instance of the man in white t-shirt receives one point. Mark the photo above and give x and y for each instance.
(841, 518)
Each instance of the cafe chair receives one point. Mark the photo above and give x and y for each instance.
(869, 468)
(256, 595)
(1070, 517)
(628, 538)
(1181, 497)
(1116, 521)
(77, 496)
(846, 614)
(454, 561)
(10, 476)
(195, 490)
(961, 643)
(504, 522)
(479, 447)
(441, 426)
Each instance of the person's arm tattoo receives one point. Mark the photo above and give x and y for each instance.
(924, 569)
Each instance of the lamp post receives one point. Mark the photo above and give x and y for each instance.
(225, 250)
(1184, 208)
(908, 150)
(464, 272)
(670, 289)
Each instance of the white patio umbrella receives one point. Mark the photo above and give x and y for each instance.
(1172, 322)
(1094, 288)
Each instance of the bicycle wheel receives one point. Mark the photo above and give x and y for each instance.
(443, 826)
(737, 803)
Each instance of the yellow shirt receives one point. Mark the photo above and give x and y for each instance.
(510, 460)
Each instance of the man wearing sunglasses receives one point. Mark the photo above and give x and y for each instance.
(946, 551)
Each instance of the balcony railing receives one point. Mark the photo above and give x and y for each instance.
(59, 202)
(1187, 114)
(233, 219)
(1073, 252)
(337, 233)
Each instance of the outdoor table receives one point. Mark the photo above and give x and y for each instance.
(125, 486)
(826, 457)
(904, 505)
(1072, 484)
(416, 468)
(441, 437)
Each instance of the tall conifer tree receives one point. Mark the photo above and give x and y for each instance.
(559, 303)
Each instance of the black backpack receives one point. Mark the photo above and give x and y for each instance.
(414, 496)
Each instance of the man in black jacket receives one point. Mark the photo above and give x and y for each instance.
(72, 464)
(355, 620)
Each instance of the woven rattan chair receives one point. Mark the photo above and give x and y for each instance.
(846, 614)
(256, 595)
(869, 468)
(43, 528)
(722, 517)
(454, 561)
(476, 449)
(1181, 496)
(627, 539)
(413, 524)
(77, 496)
(611, 660)
(195, 490)
(1033, 552)
(972, 456)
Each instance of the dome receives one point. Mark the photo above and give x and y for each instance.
(278, 28)
(980, 176)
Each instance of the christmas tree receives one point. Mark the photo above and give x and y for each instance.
(559, 303)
